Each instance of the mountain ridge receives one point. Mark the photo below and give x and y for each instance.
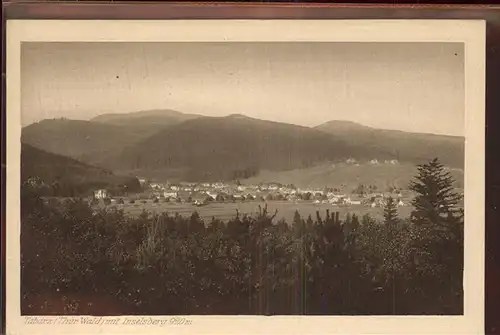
(120, 118)
(83, 140)
(405, 145)
(356, 126)
(210, 143)
(229, 147)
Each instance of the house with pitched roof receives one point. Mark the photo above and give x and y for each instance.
(101, 194)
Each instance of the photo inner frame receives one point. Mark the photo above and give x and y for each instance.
(206, 175)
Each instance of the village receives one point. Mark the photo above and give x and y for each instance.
(201, 194)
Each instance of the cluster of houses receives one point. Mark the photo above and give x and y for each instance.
(377, 162)
(205, 192)
(202, 193)
(372, 200)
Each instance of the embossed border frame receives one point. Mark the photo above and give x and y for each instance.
(266, 11)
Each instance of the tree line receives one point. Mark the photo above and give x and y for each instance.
(324, 265)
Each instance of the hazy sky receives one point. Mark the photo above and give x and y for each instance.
(409, 86)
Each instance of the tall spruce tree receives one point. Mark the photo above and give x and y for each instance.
(390, 212)
(436, 201)
(391, 250)
(438, 221)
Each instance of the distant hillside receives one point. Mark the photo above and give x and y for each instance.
(152, 119)
(72, 176)
(170, 145)
(414, 147)
(348, 175)
(235, 147)
(95, 140)
(87, 141)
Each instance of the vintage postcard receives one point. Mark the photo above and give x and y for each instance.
(245, 177)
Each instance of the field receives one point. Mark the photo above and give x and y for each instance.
(225, 211)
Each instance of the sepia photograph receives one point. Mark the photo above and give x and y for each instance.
(243, 178)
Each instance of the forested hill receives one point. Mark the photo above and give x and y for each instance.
(238, 147)
(151, 118)
(71, 176)
(95, 140)
(409, 147)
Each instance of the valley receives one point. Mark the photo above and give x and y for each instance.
(144, 155)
